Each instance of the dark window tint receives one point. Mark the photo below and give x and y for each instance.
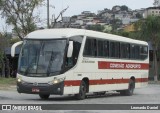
(90, 47)
(143, 52)
(103, 48)
(77, 41)
(125, 51)
(114, 49)
(134, 51)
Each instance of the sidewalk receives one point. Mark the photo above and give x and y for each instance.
(12, 87)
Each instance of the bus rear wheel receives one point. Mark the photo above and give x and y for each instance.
(129, 91)
(44, 96)
(82, 91)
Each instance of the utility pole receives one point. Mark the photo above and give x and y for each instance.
(48, 26)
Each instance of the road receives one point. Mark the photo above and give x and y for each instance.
(147, 95)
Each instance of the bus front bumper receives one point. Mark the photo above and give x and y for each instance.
(32, 88)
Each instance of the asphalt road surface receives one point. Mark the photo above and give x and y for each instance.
(147, 95)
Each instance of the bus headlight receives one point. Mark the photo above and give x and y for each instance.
(19, 80)
(55, 81)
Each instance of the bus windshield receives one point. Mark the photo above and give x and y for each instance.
(41, 57)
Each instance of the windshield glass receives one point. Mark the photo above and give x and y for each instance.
(41, 57)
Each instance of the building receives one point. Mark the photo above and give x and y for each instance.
(129, 20)
(153, 11)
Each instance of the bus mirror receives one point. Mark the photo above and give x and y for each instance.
(70, 49)
(13, 48)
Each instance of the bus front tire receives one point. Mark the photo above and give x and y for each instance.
(82, 91)
(44, 96)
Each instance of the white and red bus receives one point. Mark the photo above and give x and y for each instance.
(78, 61)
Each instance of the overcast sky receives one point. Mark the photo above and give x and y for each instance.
(78, 6)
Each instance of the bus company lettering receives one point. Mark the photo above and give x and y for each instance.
(124, 66)
(133, 66)
(119, 66)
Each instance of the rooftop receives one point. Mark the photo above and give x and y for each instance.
(69, 32)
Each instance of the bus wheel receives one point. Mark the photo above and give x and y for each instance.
(129, 91)
(44, 96)
(82, 91)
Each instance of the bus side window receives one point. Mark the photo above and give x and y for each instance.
(90, 48)
(77, 40)
(124, 50)
(114, 49)
(143, 52)
(106, 48)
(76, 49)
(134, 51)
(103, 48)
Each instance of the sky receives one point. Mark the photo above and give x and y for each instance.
(78, 6)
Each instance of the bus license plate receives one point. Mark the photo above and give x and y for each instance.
(35, 90)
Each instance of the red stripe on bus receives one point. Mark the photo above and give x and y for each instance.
(142, 80)
(72, 82)
(122, 65)
(108, 81)
(103, 81)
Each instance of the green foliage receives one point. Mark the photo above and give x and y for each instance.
(1, 57)
(125, 34)
(149, 29)
(7, 81)
(96, 27)
(4, 42)
(19, 13)
(116, 23)
(14, 40)
(135, 35)
(1, 50)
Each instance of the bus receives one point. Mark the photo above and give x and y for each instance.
(77, 61)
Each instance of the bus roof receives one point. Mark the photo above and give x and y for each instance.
(69, 32)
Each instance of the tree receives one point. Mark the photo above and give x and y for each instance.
(96, 27)
(124, 8)
(156, 3)
(150, 31)
(19, 13)
(116, 23)
(125, 34)
(14, 40)
(3, 44)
